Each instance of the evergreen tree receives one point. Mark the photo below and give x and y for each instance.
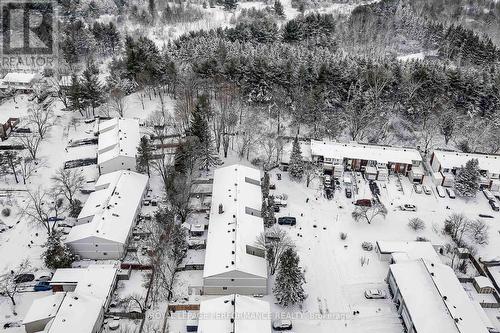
(296, 167)
(278, 8)
(288, 288)
(467, 179)
(265, 185)
(75, 96)
(92, 90)
(57, 254)
(230, 4)
(267, 211)
(199, 123)
(208, 156)
(144, 155)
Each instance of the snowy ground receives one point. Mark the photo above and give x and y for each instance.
(335, 276)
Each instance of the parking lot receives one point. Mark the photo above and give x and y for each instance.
(336, 286)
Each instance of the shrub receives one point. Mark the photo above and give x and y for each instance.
(416, 224)
(6, 212)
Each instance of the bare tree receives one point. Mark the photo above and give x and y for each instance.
(368, 214)
(456, 225)
(68, 182)
(31, 142)
(11, 159)
(8, 285)
(478, 232)
(28, 167)
(41, 117)
(61, 90)
(269, 145)
(132, 302)
(42, 207)
(276, 241)
(167, 247)
(117, 100)
(311, 171)
(416, 224)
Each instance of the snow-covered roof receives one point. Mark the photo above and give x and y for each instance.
(381, 154)
(94, 280)
(78, 313)
(483, 282)
(250, 315)
(17, 77)
(113, 208)
(237, 188)
(413, 250)
(435, 299)
(117, 137)
(44, 308)
(455, 160)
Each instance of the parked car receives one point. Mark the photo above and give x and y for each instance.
(426, 189)
(440, 191)
(280, 202)
(56, 218)
(329, 193)
(26, 277)
(363, 202)
(328, 181)
(409, 207)
(66, 224)
(374, 187)
(417, 188)
(494, 205)
(451, 193)
(367, 246)
(287, 220)
(282, 324)
(375, 294)
(276, 209)
(272, 186)
(43, 278)
(488, 195)
(42, 286)
(348, 192)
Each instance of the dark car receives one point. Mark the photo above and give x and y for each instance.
(287, 220)
(363, 202)
(21, 278)
(494, 205)
(42, 286)
(56, 218)
(348, 193)
(329, 193)
(276, 209)
(272, 186)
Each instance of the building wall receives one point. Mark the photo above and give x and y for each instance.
(104, 250)
(36, 326)
(226, 286)
(118, 163)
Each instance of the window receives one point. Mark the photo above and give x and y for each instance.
(252, 181)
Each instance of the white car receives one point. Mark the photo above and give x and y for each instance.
(417, 188)
(426, 189)
(280, 202)
(409, 207)
(375, 294)
(451, 193)
(440, 191)
(282, 324)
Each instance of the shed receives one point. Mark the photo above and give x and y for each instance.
(483, 285)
